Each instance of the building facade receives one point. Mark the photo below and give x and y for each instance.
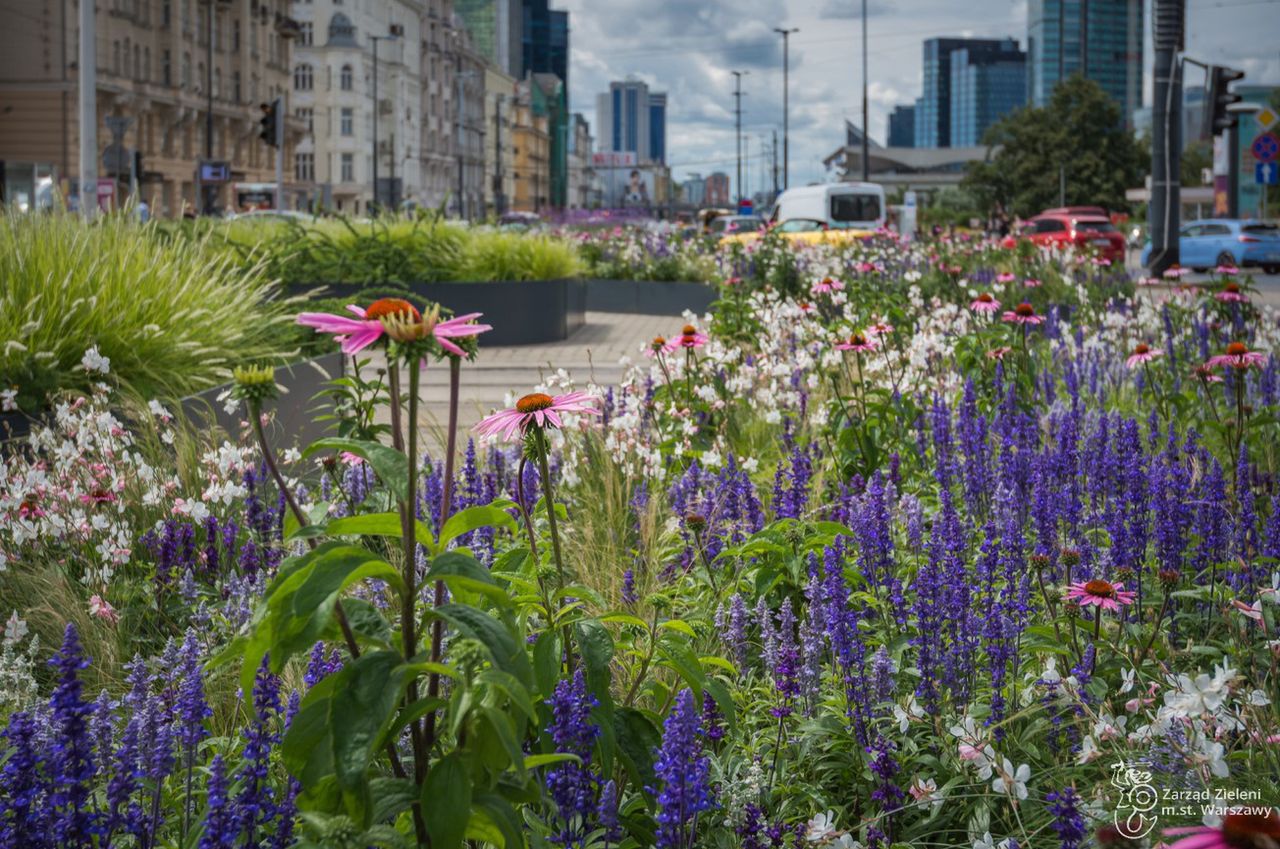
(499, 158)
(584, 183)
(496, 28)
(986, 85)
(693, 190)
(632, 119)
(357, 86)
(531, 143)
(545, 40)
(154, 78)
(469, 120)
(933, 109)
(1101, 39)
(717, 189)
(439, 40)
(902, 126)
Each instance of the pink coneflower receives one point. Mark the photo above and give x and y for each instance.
(1143, 353)
(536, 410)
(985, 303)
(689, 338)
(101, 608)
(1238, 356)
(1205, 374)
(1031, 283)
(1226, 270)
(858, 343)
(1101, 593)
(656, 347)
(1150, 281)
(1231, 294)
(1173, 272)
(1246, 829)
(999, 353)
(825, 286)
(1005, 277)
(880, 328)
(1023, 313)
(358, 333)
(458, 327)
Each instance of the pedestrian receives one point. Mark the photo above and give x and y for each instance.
(144, 211)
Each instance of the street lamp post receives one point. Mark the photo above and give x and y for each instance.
(786, 67)
(392, 35)
(737, 114)
(866, 131)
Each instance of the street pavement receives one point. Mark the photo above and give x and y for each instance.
(591, 354)
(1267, 286)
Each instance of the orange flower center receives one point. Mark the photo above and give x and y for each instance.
(1249, 830)
(1231, 286)
(985, 298)
(1142, 348)
(658, 342)
(688, 330)
(534, 402)
(1100, 589)
(1024, 309)
(390, 306)
(857, 339)
(1237, 349)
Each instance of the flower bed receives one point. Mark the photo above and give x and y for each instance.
(911, 550)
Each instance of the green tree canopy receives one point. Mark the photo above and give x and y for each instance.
(1080, 131)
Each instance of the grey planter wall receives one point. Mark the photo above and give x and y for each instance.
(649, 297)
(296, 409)
(522, 312)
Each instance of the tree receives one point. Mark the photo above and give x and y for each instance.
(1078, 135)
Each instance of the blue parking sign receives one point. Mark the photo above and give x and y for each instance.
(1266, 173)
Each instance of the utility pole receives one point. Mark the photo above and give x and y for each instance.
(774, 148)
(280, 113)
(1164, 211)
(88, 72)
(391, 36)
(737, 115)
(209, 191)
(786, 88)
(461, 130)
(866, 131)
(499, 205)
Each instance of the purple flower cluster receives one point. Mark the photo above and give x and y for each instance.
(683, 773)
(572, 785)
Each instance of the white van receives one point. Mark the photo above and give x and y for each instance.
(837, 206)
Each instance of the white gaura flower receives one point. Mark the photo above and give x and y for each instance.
(1127, 680)
(92, 361)
(821, 828)
(8, 400)
(1012, 781)
(15, 629)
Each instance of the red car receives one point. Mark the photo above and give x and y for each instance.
(1083, 226)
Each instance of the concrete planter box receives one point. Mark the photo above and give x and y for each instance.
(295, 410)
(649, 297)
(522, 312)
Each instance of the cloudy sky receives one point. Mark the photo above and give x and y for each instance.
(689, 47)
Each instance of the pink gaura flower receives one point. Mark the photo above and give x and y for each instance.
(857, 342)
(1005, 277)
(689, 338)
(1239, 829)
(985, 303)
(1231, 293)
(1249, 611)
(1143, 353)
(101, 608)
(865, 267)
(1237, 356)
(1100, 593)
(536, 410)
(825, 286)
(999, 353)
(1023, 313)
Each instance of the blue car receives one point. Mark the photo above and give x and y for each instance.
(1212, 242)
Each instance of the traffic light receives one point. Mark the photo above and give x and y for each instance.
(270, 115)
(1220, 120)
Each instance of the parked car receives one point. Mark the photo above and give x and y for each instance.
(810, 231)
(1242, 243)
(1082, 226)
(838, 206)
(725, 225)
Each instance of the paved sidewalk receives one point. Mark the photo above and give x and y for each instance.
(590, 354)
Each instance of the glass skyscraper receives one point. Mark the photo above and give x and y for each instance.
(1101, 39)
(630, 118)
(933, 120)
(902, 127)
(546, 40)
(986, 85)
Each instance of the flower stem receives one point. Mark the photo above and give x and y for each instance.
(446, 507)
(544, 469)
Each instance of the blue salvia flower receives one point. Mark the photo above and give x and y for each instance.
(885, 768)
(255, 804)
(768, 635)
(572, 785)
(24, 785)
(220, 823)
(74, 823)
(607, 812)
(319, 667)
(684, 776)
(1068, 818)
(736, 635)
(629, 595)
(787, 670)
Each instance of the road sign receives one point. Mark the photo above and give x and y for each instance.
(117, 159)
(1265, 147)
(1266, 174)
(214, 171)
(117, 124)
(1266, 117)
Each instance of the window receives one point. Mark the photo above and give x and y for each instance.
(345, 78)
(166, 13)
(235, 34)
(166, 68)
(305, 33)
(348, 122)
(186, 70)
(307, 116)
(235, 88)
(854, 208)
(302, 78)
(115, 57)
(348, 168)
(1216, 230)
(217, 83)
(1050, 225)
(304, 167)
(146, 64)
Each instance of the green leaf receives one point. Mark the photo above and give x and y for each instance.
(681, 626)
(504, 816)
(535, 761)
(446, 802)
(508, 652)
(363, 706)
(389, 464)
(638, 739)
(515, 691)
(378, 525)
(483, 516)
(546, 661)
(463, 572)
(367, 621)
(596, 644)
